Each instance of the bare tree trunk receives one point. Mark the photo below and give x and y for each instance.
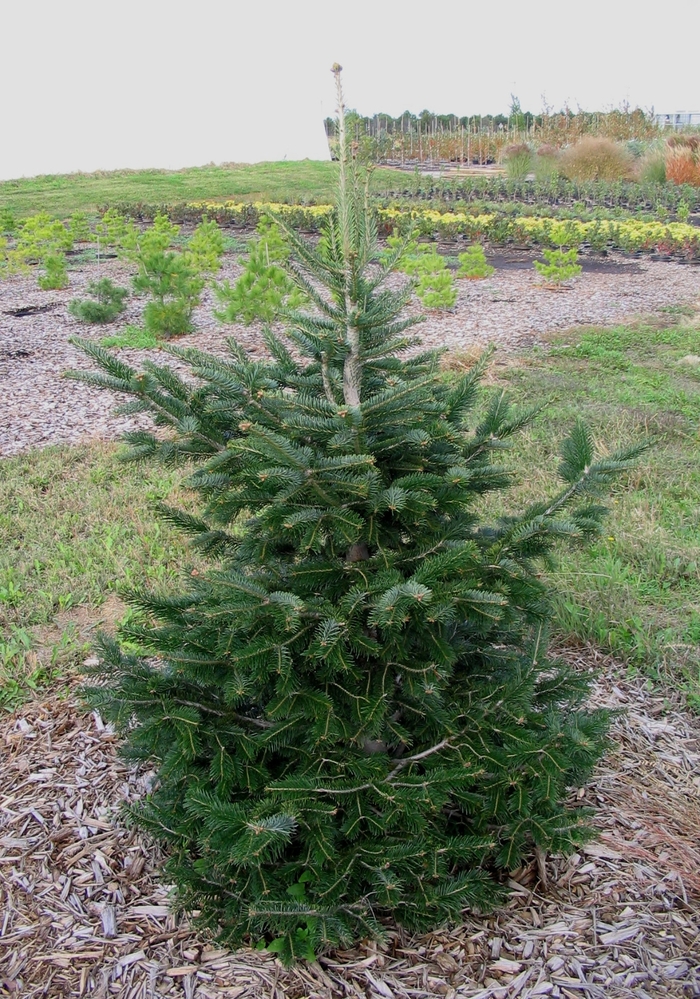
(352, 368)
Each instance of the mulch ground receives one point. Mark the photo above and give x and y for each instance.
(84, 914)
(511, 310)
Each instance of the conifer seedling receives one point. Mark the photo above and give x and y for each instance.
(55, 274)
(107, 302)
(433, 283)
(352, 714)
(264, 289)
(559, 266)
(473, 264)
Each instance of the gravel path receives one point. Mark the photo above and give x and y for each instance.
(39, 407)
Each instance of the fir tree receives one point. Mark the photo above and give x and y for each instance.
(352, 713)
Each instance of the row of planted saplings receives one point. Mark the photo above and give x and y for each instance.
(173, 271)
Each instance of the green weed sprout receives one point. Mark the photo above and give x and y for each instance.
(683, 211)
(517, 160)
(134, 337)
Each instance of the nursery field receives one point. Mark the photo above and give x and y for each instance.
(78, 527)
(631, 371)
(634, 594)
(604, 330)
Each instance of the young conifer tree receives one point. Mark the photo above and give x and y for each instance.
(352, 713)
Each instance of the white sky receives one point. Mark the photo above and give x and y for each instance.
(91, 84)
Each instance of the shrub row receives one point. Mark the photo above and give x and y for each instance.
(631, 235)
(557, 190)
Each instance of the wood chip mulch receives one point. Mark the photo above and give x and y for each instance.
(511, 309)
(82, 912)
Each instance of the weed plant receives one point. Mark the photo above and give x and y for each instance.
(545, 164)
(652, 169)
(683, 165)
(8, 222)
(134, 337)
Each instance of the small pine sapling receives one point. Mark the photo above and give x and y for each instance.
(43, 240)
(264, 288)
(79, 228)
(118, 232)
(40, 236)
(107, 302)
(473, 264)
(169, 277)
(559, 266)
(436, 289)
(432, 281)
(10, 262)
(352, 713)
(205, 248)
(55, 276)
(420, 258)
(399, 249)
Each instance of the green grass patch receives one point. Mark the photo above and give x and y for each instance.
(636, 593)
(77, 528)
(132, 336)
(61, 195)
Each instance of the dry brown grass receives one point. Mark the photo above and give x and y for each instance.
(596, 158)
